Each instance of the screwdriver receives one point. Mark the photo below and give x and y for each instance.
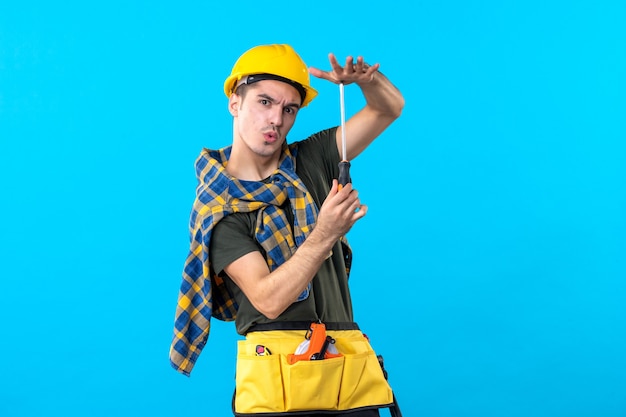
(344, 165)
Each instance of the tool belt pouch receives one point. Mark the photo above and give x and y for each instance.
(270, 384)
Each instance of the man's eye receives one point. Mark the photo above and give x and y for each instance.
(264, 102)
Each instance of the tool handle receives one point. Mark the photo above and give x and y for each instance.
(322, 353)
(317, 338)
(344, 174)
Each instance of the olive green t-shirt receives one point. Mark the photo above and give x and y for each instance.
(329, 300)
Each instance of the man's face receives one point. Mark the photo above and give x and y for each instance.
(265, 116)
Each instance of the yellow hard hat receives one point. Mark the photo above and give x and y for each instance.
(276, 62)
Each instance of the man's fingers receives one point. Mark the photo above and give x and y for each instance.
(334, 186)
(361, 212)
(346, 192)
(349, 67)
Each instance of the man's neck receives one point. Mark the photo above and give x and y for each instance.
(249, 166)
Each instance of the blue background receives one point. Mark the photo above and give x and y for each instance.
(490, 270)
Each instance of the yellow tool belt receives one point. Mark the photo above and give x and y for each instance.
(267, 382)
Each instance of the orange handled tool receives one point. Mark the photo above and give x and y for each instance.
(318, 346)
(344, 165)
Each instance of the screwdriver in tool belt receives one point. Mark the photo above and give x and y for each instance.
(344, 165)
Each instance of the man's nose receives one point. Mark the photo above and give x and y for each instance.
(276, 115)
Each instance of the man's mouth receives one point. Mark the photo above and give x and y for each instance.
(270, 137)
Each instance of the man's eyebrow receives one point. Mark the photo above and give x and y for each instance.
(265, 96)
(271, 99)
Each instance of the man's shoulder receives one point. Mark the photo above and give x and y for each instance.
(320, 145)
(321, 138)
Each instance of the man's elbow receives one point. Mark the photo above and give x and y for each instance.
(398, 106)
(270, 309)
(271, 315)
(391, 111)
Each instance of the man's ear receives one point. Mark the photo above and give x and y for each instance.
(233, 104)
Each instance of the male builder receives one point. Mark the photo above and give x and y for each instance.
(268, 247)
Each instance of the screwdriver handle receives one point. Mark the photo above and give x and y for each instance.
(344, 174)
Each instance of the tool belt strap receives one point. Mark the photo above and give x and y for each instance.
(300, 325)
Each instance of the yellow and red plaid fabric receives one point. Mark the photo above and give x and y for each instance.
(203, 293)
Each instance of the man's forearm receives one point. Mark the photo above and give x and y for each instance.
(384, 104)
(382, 96)
(286, 283)
(273, 292)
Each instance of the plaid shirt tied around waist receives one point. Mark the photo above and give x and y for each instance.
(202, 293)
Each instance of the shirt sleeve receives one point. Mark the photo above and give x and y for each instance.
(232, 238)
